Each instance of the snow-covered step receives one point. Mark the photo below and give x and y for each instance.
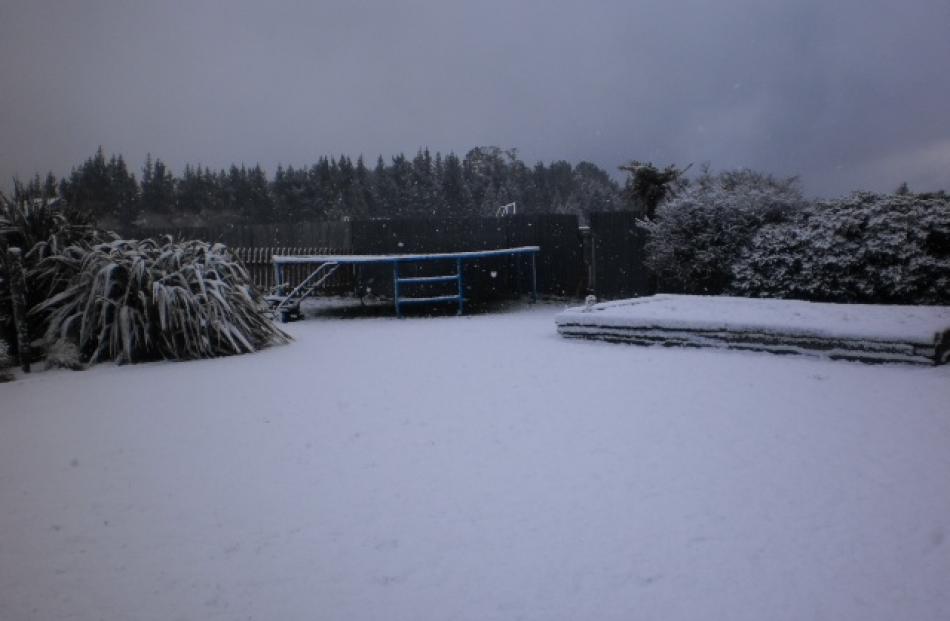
(429, 279)
(429, 300)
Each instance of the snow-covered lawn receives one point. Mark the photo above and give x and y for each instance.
(476, 468)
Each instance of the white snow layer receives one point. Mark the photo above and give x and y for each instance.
(408, 258)
(911, 324)
(476, 468)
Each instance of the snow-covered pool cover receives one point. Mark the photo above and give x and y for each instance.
(386, 258)
(910, 324)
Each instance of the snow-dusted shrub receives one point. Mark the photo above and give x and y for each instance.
(64, 354)
(866, 248)
(697, 236)
(130, 301)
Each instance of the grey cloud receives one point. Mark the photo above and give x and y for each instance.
(846, 94)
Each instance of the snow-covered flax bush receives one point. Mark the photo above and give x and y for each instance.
(141, 300)
(866, 248)
(697, 236)
(41, 229)
(45, 228)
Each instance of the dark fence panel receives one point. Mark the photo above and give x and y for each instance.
(417, 235)
(327, 234)
(560, 262)
(618, 261)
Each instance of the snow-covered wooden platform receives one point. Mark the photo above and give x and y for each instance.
(869, 333)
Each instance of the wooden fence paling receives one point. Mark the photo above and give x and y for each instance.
(618, 248)
(613, 251)
(260, 267)
(306, 233)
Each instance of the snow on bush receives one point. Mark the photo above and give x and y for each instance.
(866, 248)
(63, 354)
(41, 229)
(697, 236)
(130, 301)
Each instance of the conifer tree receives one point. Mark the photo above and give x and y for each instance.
(400, 177)
(422, 197)
(383, 190)
(50, 186)
(455, 192)
(123, 191)
(258, 205)
(158, 187)
(362, 196)
(192, 195)
(88, 186)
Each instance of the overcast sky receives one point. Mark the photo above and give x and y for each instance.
(847, 94)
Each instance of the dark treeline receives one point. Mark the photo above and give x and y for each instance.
(426, 185)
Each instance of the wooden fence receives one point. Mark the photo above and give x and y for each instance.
(617, 258)
(261, 268)
(330, 234)
(607, 260)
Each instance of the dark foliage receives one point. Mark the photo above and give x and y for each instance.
(697, 237)
(648, 186)
(427, 185)
(41, 228)
(866, 248)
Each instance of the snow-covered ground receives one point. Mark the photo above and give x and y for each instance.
(476, 468)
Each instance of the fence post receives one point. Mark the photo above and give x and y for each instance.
(588, 257)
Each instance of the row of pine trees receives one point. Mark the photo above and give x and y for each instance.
(333, 188)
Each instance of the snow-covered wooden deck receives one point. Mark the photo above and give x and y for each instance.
(869, 333)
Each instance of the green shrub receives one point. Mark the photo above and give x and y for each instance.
(131, 301)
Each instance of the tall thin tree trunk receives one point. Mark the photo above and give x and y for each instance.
(18, 295)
